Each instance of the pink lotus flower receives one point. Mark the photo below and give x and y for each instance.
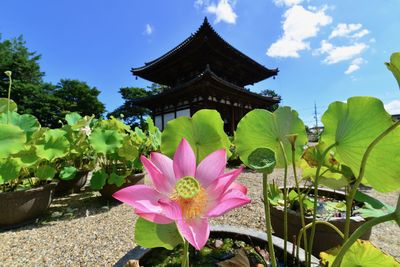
(185, 194)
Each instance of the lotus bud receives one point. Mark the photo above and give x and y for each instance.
(292, 139)
(8, 73)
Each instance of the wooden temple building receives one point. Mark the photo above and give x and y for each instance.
(204, 71)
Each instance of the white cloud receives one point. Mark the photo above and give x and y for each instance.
(287, 2)
(355, 65)
(393, 107)
(337, 54)
(148, 30)
(343, 30)
(354, 31)
(223, 11)
(299, 25)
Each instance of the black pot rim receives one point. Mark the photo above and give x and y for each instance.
(33, 190)
(139, 251)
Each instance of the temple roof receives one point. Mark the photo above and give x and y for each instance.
(190, 58)
(205, 84)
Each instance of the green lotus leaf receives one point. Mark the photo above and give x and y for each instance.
(68, 173)
(129, 151)
(372, 207)
(4, 105)
(152, 235)
(394, 66)
(52, 145)
(72, 118)
(262, 160)
(45, 172)
(9, 169)
(28, 123)
(27, 157)
(12, 140)
(261, 128)
(98, 180)
(361, 253)
(116, 179)
(275, 195)
(105, 141)
(352, 130)
(204, 132)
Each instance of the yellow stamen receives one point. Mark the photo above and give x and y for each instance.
(192, 207)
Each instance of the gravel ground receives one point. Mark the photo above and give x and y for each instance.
(85, 230)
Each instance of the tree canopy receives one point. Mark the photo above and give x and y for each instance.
(131, 113)
(48, 102)
(271, 93)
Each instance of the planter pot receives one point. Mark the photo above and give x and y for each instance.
(17, 208)
(325, 237)
(109, 189)
(66, 187)
(250, 236)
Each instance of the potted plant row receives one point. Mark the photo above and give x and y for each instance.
(189, 186)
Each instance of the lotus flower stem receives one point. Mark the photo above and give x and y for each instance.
(359, 232)
(8, 73)
(268, 220)
(354, 188)
(285, 193)
(185, 254)
(310, 245)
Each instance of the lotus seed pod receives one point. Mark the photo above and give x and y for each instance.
(187, 187)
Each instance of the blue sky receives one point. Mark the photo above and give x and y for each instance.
(325, 50)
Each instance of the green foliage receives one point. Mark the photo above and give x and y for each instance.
(372, 207)
(73, 118)
(9, 170)
(68, 173)
(98, 180)
(12, 140)
(45, 172)
(116, 179)
(263, 129)
(4, 105)
(133, 114)
(47, 102)
(361, 253)
(52, 145)
(275, 195)
(204, 132)
(394, 66)
(152, 235)
(105, 141)
(271, 93)
(352, 129)
(26, 122)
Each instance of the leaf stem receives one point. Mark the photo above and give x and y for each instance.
(303, 224)
(359, 232)
(268, 220)
(285, 193)
(320, 162)
(354, 188)
(9, 97)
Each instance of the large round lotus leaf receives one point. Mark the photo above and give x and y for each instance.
(394, 66)
(105, 141)
(352, 126)
(68, 173)
(27, 157)
(52, 145)
(128, 151)
(4, 105)
(204, 132)
(361, 253)
(98, 180)
(262, 160)
(45, 172)
(12, 140)
(9, 169)
(28, 123)
(263, 129)
(72, 118)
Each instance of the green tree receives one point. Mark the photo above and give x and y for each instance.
(271, 93)
(47, 102)
(132, 113)
(78, 96)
